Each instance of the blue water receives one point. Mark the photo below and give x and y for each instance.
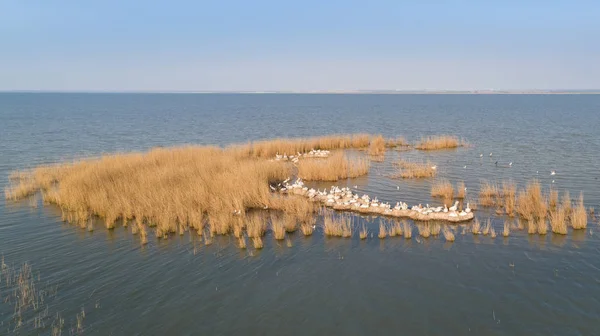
(525, 284)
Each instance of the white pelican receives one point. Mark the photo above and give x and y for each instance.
(553, 172)
(468, 209)
(454, 207)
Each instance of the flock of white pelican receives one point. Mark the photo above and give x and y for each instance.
(294, 158)
(344, 199)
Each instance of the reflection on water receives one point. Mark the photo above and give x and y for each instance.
(521, 284)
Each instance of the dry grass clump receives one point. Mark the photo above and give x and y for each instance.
(488, 193)
(278, 226)
(579, 215)
(338, 226)
(542, 227)
(307, 227)
(448, 234)
(256, 225)
(377, 146)
(487, 227)
(242, 242)
(290, 222)
(334, 168)
(435, 229)
(439, 142)
(558, 221)
(396, 142)
(442, 188)
(509, 192)
(414, 170)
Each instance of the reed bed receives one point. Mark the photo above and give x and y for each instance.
(487, 227)
(269, 148)
(407, 230)
(257, 243)
(439, 142)
(553, 199)
(579, 215)
(334, 168)
(395, 228)
(567, 203)
(409, 169)
(307, 227)
(442, 188)
(377, 146)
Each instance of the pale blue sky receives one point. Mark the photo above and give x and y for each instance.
(302, 45)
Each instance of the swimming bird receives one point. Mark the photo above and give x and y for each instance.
(490, 153)
(481, 155)
(465, 167)
(552, 172)
(434, 167)
(510, 164)
(398, 187)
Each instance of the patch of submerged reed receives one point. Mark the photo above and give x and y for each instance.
(439, 142)
(257, 243)
(461, 190)
(476, 227)
(334, 168)
(424, 230)
(448, 234)
(506, 230)
(553, 199)
(396, 142)
(268, 148)
(363, 231)
(558, 221)
(442, 188)
(377, 146)
(532, 206)
(383, 231)
(409, 169)
(407, 230)
(509, 192)
(579, 215)
(338, 226)
(277, 226)
(488, 194)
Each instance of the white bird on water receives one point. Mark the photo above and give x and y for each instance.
(552, 172)
(434, 167)
(490, 153)
(510, 164)
(465, 167)
(481, 155)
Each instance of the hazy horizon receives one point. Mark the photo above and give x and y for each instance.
(184, 46)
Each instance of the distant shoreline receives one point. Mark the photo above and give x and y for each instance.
(364, 92)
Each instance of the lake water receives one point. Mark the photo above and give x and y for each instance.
(521, 285)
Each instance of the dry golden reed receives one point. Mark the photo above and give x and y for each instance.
(334, 168)
(442, 188)
(407, 230)
(461, 190)
(338, 226)
(488, 194)
(277, 226)
(424, 230)
(409, 169)
(579, 215)
(396, 142)
(558, 221)
(553, 199)
(509, 194)
(506, 230)
(377, 146)
(257, 242)
(382, 231)
(438, 142)
(448, 234)
(363, 232)
(567, 203)
(476, 227)
(269, 148)
(532, 205)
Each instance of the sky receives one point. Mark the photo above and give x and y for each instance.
(60, 45)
